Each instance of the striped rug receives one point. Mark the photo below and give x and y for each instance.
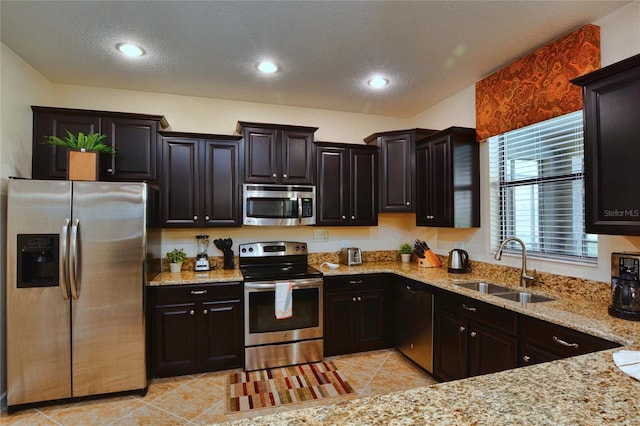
(286, 385)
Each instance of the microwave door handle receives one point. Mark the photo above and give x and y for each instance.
(63, 265)
(299, 210)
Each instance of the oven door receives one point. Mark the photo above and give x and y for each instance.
(261, 325)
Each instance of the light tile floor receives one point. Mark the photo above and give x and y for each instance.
(199, 399)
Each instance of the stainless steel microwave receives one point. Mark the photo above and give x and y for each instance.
(278, 205)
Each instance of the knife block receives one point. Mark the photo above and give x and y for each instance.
(429, 261)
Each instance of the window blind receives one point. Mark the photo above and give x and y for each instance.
(537, 189)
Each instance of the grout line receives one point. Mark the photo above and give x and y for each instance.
(374, 374)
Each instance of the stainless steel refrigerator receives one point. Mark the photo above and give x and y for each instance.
(77, 258)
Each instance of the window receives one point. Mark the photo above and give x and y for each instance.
(537, 190)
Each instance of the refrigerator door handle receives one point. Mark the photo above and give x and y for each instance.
(63, 259)
(73, 259)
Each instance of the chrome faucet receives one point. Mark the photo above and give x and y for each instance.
(524, 278)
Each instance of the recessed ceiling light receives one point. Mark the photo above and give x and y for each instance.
(130, 50)
(267, 67)
(377, 82)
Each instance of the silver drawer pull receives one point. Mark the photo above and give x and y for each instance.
(196, 292)
(191, 312)
(473, 334)
(355, 282)
(461, 329)
(526, 358)
(563, 343)
(468, 308)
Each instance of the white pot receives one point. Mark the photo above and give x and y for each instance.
(175, 267)
(405, 257)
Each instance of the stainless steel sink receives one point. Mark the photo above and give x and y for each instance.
(484, 287)
(524, 297)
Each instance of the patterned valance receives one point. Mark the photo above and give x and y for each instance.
(537, 87)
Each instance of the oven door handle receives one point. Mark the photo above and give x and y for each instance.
(271, 285)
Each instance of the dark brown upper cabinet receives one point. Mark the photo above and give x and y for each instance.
(611, 97)
(276, 153)
(134, 136)
(200, 185)
(397, 167)
(448, 179)
(347, 184)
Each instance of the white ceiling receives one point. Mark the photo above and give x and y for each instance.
(326, 49)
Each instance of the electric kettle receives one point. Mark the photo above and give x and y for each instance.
(458, 262)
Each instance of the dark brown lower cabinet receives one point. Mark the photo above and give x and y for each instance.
(195, 328)
(472, 337)
(357, 313)
(541, 341)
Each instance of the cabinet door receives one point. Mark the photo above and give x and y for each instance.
(612, 130)
(220, 170)
(175, 339)
(372, 332)
(490, 350)
(48, 161)
(180, 186)
(332, 190)
(296, 158)
(220, 335)
(434, 192)
(396, 186)
(136, 156)
(363, 187)
(450, 349)
(339, 324)
(260, 155)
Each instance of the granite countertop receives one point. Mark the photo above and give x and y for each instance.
(582, 390)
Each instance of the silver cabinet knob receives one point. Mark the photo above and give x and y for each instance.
(110, 171)
(206, 218)
(344, 217)
(526, 358)
(359, 299)
(353, 217)
(354, 299)
(411, 345)
(284, 176)
(461, 329)
(206, 311)
(274, 175)
(408, 203)
(191, 312)
(195, 218)
(473, 334)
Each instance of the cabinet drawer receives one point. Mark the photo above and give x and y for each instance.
(176, 293)
(560, 340)
(350, 283)
(494, 316)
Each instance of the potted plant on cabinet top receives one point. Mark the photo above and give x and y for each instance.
(405, 252)
(175, 258)
(82, 153)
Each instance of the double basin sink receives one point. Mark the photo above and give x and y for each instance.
(505, 292)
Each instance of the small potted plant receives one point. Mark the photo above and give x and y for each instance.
(82, 154)
(175, 258)
(405, 252)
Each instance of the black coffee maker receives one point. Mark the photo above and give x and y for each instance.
(625, 285)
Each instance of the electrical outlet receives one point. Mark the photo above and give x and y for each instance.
(320, 235)
(458, 245)
(345, 243)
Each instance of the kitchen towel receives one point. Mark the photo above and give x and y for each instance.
(284, 300)
(628, 362)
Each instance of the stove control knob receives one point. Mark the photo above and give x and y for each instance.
(244, 250)
(297, 248)
(250, 249)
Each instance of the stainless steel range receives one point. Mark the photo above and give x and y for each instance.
(269, 341)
